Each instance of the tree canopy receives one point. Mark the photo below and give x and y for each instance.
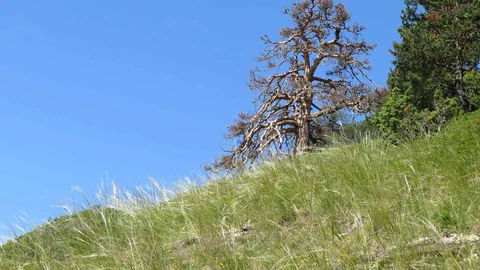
(317, 67)
(435, 63)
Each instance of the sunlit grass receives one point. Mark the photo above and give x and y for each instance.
(367, 205)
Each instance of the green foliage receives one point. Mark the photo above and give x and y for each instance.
(343, 127)
(436, 68)
(445, 216)
(357, 131)
(472, 87)
(361, 206)
(397, 117)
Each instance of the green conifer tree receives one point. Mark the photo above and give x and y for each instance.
(436, 65)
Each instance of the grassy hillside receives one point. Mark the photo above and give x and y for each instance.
(368, 205)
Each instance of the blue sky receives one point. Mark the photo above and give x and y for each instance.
(131, 89)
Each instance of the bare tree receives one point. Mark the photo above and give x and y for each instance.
(316, 69)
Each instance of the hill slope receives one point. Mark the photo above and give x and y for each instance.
(367, 205)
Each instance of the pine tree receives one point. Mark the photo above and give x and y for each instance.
(317, 68)
(439, 47)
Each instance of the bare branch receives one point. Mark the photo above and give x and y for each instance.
(322, 35)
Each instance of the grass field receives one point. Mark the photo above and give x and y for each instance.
(367, 205)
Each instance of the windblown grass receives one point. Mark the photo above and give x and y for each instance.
(367, 205)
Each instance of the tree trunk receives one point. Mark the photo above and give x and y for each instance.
(303, 129)
(459, 89)
(303, 138)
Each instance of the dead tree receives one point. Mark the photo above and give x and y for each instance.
(316, 69)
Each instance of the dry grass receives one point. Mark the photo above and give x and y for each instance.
(368, 205)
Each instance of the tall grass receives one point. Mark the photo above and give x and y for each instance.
(366, 205)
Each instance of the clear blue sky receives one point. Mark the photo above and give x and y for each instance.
(131, 88)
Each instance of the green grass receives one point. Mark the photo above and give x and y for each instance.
(367, 205)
